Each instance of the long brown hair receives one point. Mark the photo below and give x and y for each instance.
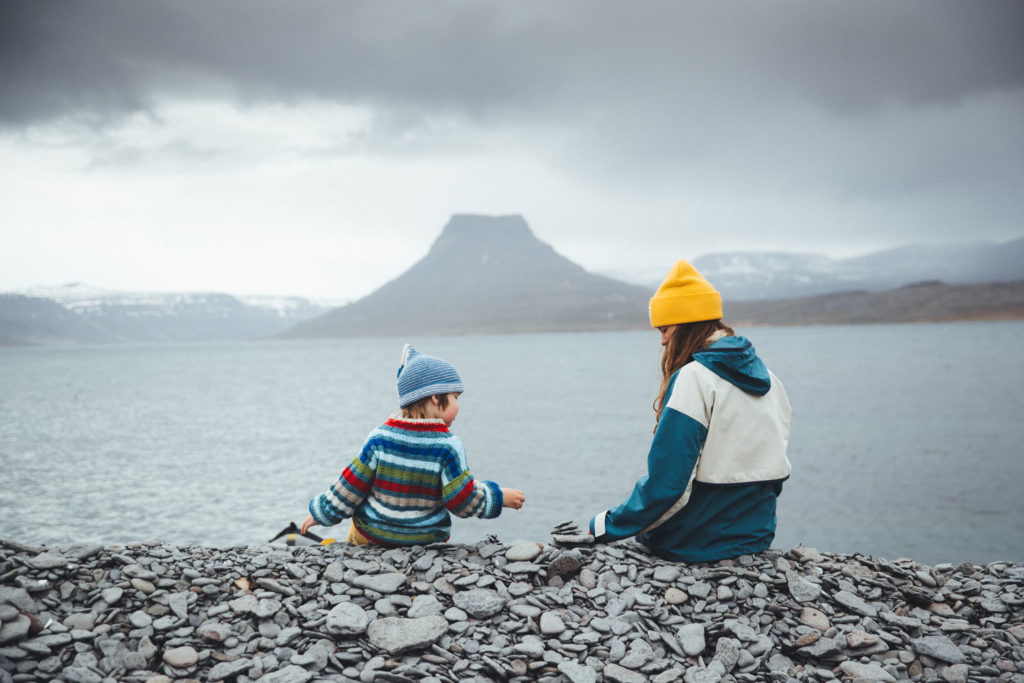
(684, 341)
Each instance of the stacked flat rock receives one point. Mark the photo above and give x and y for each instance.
(498, 612)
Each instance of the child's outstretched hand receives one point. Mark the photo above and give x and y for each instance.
(513, 498)
(307, 523)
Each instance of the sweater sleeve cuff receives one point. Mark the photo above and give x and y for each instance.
(497, 500)
(314, 510)
(597, 525)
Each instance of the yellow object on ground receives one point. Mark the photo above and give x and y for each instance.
(354, 537)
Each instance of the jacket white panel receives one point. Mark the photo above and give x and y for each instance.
(747, 434)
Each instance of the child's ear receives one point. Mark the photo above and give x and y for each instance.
(435, 400)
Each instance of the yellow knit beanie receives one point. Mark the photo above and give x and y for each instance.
(684, 297)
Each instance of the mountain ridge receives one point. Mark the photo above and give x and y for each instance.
(76, 313)
(492, 275)
(487, 274)
(780, 275)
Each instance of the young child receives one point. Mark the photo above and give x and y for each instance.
(412, 471)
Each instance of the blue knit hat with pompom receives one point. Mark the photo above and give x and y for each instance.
(420, 376)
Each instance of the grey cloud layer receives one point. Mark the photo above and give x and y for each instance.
(107, 57)
(897, 115)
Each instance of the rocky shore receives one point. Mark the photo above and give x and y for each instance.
(494, 611)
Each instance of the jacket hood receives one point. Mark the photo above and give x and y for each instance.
(735, 360)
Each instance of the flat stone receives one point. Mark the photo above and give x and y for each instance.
(137, 571)
(865, 672)
(381, 583)
(454, 614)
(577, 673)
(619, 674)
(530, 648)
(666, 573)
(178, 602)
(669, 676)
(479, 603)
(143, 585)
(397, 635)
(803, 590)
(346, 619)
(808, 639)
(727, 651)
(181, 657)
(551, 624)
(424, 606)
(335, 573)
(526, 611)
(48, 561)
(80, 551)
(742, 630)
(674, 596)
(134, 661)
(275, 586)
(566, 563)
(289, 674)
(822, 648)
(225, 670)
(858, 639)
(691, 639)
(215, 631)
(639, 654)
(955, 673)
(523, 551)
(80, 620)
(111, 596)
(519, 588)
(13, 631)
(287, 636)
(266, 608)
(816, 619)
(79, 674)
(244, 604)
(854, 603)
(587, 578)
(140, 619)
(939, 647)
(779, 663)
(18, 597)
(314, 658)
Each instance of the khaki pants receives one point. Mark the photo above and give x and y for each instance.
(354, 537)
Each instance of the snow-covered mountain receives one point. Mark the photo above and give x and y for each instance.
(768, 275)
(101, 315)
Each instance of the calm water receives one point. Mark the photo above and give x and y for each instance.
(907, 440)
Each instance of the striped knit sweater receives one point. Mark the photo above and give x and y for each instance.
(400, 488)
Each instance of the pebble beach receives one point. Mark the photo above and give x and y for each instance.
(553, 610)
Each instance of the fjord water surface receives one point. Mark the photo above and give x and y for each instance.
(906, 439)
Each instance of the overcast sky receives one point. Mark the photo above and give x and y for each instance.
(318, 148)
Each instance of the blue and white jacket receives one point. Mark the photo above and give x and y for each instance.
(717, 462)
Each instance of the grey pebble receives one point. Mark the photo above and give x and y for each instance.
(479, 603)
(691, 639)
(346, 618)
(489, 611)
(397, 635)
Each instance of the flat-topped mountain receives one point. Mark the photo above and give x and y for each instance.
(487, 274)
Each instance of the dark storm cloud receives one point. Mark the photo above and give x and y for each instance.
(98, 59)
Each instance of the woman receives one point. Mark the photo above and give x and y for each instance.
(718, 459)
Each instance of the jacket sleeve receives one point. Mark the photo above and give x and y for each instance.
(345, 495)
(463, 495)
(664, 490)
